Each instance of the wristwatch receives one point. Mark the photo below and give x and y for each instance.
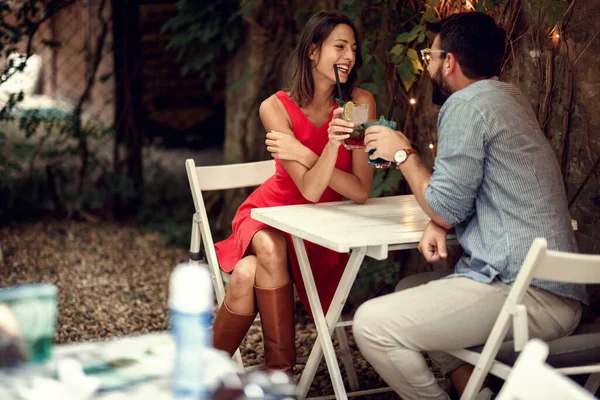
(401, 155)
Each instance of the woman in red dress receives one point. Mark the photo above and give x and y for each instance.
(305, 136)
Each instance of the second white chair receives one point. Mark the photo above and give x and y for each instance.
(532, 379)
(577, 354)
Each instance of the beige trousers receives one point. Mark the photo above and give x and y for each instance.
(445, 314)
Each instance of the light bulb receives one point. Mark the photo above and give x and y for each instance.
(431, 145)
(412, 101)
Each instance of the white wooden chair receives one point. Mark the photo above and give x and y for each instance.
(532, 379)
(571, 355)
(232, 176)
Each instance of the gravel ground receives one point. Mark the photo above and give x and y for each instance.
(112, 280)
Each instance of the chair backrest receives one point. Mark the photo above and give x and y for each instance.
(219, 177)
(553, 265)
(567, 267)
(532, 379)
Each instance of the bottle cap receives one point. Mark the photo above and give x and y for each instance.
(190, 289)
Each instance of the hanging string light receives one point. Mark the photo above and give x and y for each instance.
(555, 33)
(412, 101)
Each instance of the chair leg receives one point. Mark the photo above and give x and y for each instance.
(593, 383)
(346, 356)
(237, 357)
(195, 242)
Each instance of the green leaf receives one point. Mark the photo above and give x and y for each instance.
(414, 57)
(407, 74)
(429, 15)
(406, 37)
(352, 9)
(397, 49)
(246, 8)
(416, 30)
(397, 58)
(403, 37)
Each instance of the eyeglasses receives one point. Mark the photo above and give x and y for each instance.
(426, 54)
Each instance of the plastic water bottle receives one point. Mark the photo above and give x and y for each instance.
(190, 304)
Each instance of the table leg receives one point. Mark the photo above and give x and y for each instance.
(325, 325)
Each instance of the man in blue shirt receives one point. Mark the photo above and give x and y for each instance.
(497, 183)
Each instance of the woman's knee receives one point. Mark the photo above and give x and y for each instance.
(270, 248)
(243, 276)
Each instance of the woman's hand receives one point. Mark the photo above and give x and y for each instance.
(285, 147)
(339, 128)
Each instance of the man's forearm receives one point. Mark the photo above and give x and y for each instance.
(418, 178)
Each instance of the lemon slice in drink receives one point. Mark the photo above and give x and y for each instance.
(348, 109)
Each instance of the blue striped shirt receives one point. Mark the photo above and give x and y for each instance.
(496, 180)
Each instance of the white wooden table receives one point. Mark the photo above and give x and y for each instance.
(373, 229)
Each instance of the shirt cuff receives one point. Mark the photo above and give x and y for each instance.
(438, 207)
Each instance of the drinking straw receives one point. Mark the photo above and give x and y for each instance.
(389, 116)
(337, 80)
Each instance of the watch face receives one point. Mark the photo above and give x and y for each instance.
(400, 156)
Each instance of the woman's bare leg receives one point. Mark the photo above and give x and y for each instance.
(239, 296)
(270, 248)
(275, 297)
(238, 309)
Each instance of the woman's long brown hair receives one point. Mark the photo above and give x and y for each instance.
(316, 30)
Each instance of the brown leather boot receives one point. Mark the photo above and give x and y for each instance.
(276, 308)
(230, 329)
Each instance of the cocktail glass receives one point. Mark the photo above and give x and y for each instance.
(360, 115)
(380, 163)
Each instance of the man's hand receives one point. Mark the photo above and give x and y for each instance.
(433, 243)
(386, 142)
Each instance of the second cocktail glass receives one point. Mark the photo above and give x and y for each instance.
(380, 163)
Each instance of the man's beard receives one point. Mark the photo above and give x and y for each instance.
(441, 89)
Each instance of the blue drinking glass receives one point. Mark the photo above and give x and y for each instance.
(380, 163)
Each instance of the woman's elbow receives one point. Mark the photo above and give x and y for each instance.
(311, 196)
(361, 198)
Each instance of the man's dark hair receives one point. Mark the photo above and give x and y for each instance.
(475, 40)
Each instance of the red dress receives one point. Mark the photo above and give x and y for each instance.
(280, 190)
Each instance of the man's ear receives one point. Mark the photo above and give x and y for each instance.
(449, 65)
